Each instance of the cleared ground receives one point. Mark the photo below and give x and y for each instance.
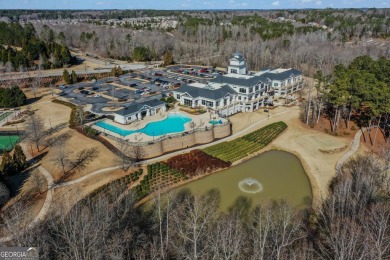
(303, 142)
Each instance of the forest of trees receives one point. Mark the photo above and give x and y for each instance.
(211, 37)
(207, 37)
(352, 222)
(358, 92)
(12, 97)
(22, 48)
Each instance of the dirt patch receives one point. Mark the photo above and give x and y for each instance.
(373, 144)
(324, 125)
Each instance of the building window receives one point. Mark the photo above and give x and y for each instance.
(177, 96)
(276, 84)
(242, 90)
(250, 90)
(239, 97)
(207, 103)
(225, 102)
(217, 104)
(256, 87)
(233, 71)
(188, 102)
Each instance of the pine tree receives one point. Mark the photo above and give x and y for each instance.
(6, 166)
(19, 159)
(168, 58)
(66, 77)
(74, 77)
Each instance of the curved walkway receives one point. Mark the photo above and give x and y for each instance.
(48, 200)
(51, 186)
(354, 147)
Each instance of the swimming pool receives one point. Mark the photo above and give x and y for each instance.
(215, 122)
(174, 123)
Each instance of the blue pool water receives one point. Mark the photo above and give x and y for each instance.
(215, 122)
(174, 123)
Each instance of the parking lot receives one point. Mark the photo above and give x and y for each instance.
(134, 87)
(122, 91)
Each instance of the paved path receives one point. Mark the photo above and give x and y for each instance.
(49, 196)
(354, 147)
(87, 176)
(51, 186)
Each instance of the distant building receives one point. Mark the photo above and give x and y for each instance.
(238, 91)
(138, 111)
(237, 64)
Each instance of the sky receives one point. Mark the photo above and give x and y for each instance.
(190, 4)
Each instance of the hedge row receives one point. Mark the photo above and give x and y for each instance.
(246, 145)
(159, 176)
(118, 185)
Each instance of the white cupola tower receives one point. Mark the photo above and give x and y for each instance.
(237, 64)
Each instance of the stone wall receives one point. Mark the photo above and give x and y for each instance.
(185, 141)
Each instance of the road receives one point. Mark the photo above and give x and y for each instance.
(102, 66)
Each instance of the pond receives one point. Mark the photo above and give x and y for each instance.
(273, 175)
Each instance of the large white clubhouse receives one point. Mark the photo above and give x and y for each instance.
(240, 91)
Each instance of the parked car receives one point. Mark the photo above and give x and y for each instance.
(62, 86)
(143, 93)
(80, 88)
(97, 95)
(138, 91)
(163, 95)
(133, 85)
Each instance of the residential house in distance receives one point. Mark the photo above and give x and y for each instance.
(138, 111)
(240, 91)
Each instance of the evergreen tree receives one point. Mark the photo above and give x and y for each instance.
(6, 166)
(12, 97)
(74, 77)
(66, 77)
(19, 159)
(168, 58)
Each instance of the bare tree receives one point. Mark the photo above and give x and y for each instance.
(35, 129)
(123, 158)
(191, 222)
(61, 158)
(137, 153)
(227, 237)
(83, 158)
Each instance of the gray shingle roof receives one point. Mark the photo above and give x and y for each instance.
(213, 94)
(237, 56)
(138, 106)
(240, 82)
(283, 75)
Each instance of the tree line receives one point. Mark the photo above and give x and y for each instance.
(22, 48)
(276, 45)
(352, 222)
(12, 97)
(358, 92)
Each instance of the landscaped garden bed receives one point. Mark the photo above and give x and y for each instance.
(120, 184)
(159, 176)
(241, 147)
(196, 162)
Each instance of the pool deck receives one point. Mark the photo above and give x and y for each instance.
(201, 121)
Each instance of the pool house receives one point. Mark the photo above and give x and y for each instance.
(138, 111)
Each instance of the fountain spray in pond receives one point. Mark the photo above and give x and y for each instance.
(250, 185)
